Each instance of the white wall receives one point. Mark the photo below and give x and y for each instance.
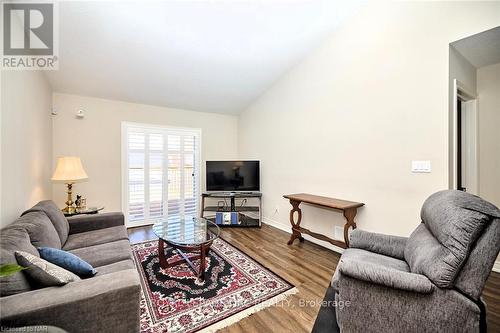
(348, 121)
(462, 70)
(96, 139)
(26, 142)
(488, 88)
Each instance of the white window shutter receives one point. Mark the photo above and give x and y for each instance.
(163, 170)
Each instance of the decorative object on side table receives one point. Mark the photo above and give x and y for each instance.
(69, 170)
(80, 202)
(86, 211)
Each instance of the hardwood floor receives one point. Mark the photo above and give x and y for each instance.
(307, 266)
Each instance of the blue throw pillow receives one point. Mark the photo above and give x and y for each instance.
(67, 261)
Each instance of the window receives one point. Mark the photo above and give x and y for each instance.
(160, 171)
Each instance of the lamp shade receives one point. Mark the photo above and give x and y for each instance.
(69, 169)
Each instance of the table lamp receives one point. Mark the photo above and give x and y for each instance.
(69, 170)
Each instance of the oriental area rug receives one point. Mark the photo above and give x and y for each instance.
(175, 300)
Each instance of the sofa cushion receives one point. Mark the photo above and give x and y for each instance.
(67, 261)
(452, 222)
(40, 229)
(42, 272)
(115, 267)
(104, 254)
(14, 238)
(55, 215)
(95, 237)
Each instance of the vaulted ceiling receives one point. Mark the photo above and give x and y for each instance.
(213, 56)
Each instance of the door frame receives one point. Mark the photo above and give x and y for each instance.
(462, 92)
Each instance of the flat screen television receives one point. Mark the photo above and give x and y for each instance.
(237, 176)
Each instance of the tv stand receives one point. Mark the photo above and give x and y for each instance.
(250, 214)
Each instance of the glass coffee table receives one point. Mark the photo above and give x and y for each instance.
(190, 236)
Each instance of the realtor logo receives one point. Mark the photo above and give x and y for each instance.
(28, 36)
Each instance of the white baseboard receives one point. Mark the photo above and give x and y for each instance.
(287, 228)
(496, 267)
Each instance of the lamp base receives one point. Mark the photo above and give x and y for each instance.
(69, 210)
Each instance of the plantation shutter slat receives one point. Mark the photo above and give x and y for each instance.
(163, 172)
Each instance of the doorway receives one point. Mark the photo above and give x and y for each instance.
(465, 137)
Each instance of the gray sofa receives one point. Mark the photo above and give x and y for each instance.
(429, 282)
(108, 300)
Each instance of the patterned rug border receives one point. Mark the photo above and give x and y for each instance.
(236, 317)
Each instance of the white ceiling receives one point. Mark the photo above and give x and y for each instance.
(482, 49)
(213, 56)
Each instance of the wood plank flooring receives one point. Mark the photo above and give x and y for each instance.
(307, 266)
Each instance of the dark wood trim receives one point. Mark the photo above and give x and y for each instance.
(200, 252)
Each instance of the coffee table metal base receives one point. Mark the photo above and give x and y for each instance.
(201, 252)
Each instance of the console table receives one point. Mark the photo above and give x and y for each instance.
(348, 208)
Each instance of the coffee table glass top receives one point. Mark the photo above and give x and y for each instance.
(186, 230)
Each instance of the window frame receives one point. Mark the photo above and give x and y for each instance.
(155, 129)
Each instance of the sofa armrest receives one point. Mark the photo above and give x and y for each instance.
(385, 276)
(83, 223)
(388, 245)
(90, 305)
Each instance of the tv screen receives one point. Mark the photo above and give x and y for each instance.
(233, 176)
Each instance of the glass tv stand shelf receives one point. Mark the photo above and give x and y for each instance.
(238, 209)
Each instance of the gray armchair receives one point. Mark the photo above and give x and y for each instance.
(429, 282)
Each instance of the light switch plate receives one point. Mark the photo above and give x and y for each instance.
(421, 166)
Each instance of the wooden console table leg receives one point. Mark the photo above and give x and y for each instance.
(349, 214)
(161, 253)
(295, 225)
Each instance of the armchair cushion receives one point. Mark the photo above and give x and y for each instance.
(392, 246)
(359, 255)
(55, 215)
(475, 272)
(452, 222)
(386, 276)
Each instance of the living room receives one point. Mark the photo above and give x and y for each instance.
(242, 166)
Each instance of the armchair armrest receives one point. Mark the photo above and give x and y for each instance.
(89, 305)
(392, 246)
(389, 277)
(83, 223)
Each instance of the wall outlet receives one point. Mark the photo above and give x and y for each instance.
(339, 233)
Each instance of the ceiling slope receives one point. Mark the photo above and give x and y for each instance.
(211, 56)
